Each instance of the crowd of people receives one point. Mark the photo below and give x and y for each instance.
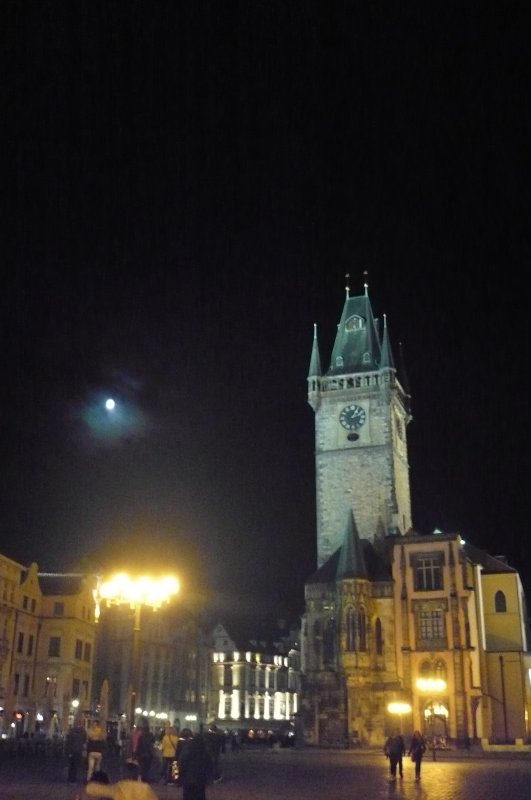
(191, 761)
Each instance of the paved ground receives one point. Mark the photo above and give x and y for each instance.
(308, 774)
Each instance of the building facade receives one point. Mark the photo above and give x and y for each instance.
(428, 631)
(47, 640)
(254, 683)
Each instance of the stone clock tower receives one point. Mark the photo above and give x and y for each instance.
(361, 415)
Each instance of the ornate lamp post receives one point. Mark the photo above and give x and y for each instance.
(120, 590)
(433, 686)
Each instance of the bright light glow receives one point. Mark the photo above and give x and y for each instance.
(436, 710)
(75, 703)
(110, 404)
(431, 684)
(399, 708)
(121, 589)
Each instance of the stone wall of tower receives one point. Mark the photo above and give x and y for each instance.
(364, 476)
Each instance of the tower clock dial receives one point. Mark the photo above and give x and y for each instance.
(352, 417)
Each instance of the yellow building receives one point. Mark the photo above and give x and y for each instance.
(47, 635)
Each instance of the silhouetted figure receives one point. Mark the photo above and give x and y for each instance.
(195, 769)
(417, 748)
(394, 750)
(75, 745)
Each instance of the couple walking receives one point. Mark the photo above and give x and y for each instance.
(395, 749)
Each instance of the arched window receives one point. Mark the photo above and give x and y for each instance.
(500, 603)
(351, 630)
(378, 639)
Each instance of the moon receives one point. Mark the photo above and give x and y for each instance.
(110, 404)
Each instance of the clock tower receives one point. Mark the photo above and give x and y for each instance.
(361, 415)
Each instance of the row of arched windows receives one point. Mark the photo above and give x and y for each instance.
(356, 634)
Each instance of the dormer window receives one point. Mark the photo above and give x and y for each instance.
(366, 358)
(354, 323)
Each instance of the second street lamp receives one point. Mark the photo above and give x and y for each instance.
(122, 590)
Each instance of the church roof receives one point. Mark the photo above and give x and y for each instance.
(351, 562)
(376, 568)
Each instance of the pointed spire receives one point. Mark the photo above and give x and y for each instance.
(351, 562)
(315, 360)
(387, 354)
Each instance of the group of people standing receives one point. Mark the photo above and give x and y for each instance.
(395, 749)
(188, 760)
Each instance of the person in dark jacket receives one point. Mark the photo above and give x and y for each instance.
(417, 748)
(144, 751)
(394, 750)
(195, 769)
(76, 739)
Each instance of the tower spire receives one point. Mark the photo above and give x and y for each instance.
(347, 285)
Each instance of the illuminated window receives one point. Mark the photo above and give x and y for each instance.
(431, 625)
(500, 603)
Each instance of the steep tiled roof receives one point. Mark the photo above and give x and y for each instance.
(52, 583)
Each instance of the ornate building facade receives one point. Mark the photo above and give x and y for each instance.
(425, 631)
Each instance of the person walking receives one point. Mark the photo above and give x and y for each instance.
(195, 769)
(168, 751)
(95, 749)
(214, 741)
(128, 788)
(144, 751)
(417, 748)
(76, 739)
(394, 750)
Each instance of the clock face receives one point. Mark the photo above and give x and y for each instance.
(352, 417)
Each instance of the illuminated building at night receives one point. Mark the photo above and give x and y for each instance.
(422, 630)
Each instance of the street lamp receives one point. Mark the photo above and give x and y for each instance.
(121, 589)
(399, 709)
(433, 686)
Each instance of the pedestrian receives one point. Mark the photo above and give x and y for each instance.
(128, 788)
(95, 749)
(185, 738)
(75, 745)
(417, 748)
(195, 768)
(394, 750)
(214, 743)
(144, 751)
(168, 750)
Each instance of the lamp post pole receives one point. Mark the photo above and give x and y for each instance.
(135, 664)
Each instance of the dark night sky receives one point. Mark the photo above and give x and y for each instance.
(188, 184)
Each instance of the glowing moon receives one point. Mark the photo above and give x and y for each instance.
(110, 404)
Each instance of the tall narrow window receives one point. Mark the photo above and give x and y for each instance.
(378, 638)
(500, 603)
(351, 630)
(362, 630)
(428, 573)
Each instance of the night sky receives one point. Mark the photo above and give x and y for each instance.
(187, 185)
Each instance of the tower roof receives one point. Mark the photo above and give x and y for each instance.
(357, 346)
